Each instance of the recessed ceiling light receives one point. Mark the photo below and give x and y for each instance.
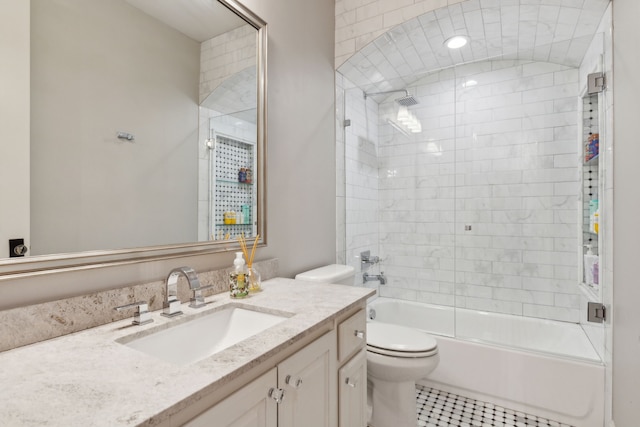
(456, 42)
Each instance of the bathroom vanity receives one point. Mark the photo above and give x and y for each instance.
(309, 364)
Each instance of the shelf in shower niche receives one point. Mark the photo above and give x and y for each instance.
(227, 181)
(592, 161)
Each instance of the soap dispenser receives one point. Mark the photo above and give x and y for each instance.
(237, 278)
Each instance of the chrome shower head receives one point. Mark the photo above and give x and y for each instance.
(407, 100)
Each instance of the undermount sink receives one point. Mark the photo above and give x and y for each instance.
(195, 339)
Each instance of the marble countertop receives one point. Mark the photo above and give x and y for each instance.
(89, 379)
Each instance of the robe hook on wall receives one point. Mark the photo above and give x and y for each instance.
(127, 136)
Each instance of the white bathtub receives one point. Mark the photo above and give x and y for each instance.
(542, 367)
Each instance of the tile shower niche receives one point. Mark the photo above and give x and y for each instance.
(590, 212)
(234, 195)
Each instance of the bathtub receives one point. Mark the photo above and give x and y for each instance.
(541, 367)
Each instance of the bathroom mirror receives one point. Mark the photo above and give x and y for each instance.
(137, 108)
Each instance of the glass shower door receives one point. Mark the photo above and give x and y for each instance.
(516, 202)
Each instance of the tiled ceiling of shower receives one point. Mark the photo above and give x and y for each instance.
(556, 31)
(236, 96)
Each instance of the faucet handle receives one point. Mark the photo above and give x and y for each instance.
(171, 307)
(141, 316)
(197, 301)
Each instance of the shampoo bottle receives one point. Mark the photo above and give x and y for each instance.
(238, 278)
(590, 261)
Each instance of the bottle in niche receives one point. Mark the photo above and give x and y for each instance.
(248, 175)
(230, 217)
(238, 278)
(246, 219)
(590, 263)
(242, 175)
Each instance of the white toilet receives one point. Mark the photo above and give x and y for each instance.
(397, 357)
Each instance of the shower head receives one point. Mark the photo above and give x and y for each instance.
(407, 100)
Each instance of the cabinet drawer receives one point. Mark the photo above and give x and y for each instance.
(352, 335)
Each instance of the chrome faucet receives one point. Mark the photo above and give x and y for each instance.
(366, 277)
(171, 307)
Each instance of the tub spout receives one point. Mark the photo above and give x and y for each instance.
(366, 277)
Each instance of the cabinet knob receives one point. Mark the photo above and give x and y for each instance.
(359, 334)
(276, 394)
(295, 384)
(350, 383)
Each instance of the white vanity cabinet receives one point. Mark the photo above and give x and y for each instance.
(300, 391)
(352, 375)
(308, 380)
(251, 406)
(323, 384)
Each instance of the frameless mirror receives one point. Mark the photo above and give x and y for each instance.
(147, 130)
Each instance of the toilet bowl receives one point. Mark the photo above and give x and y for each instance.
(397, 357)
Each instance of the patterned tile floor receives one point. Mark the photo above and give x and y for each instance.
(441, 409)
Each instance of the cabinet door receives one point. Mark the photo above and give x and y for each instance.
(308, 379)
(250, 406)
(352, 389)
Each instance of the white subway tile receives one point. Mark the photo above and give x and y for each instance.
(553, 313)
(492, 280)
(524, 296)
(436, 298)
(487, 304)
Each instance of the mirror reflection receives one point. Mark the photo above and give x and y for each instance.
(143, 125)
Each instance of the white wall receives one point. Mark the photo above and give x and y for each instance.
(626, 227)
(301, 141)
(300, 169)
(14, 122)
(98, 68)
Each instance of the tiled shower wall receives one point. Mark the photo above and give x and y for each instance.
(360, 175)
(505, 165)
(485, 197)
(225, 55)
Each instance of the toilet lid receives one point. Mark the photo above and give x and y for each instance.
(398, 339)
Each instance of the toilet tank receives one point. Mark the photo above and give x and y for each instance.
(334, 273)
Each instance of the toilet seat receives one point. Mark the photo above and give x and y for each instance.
(399, 341)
